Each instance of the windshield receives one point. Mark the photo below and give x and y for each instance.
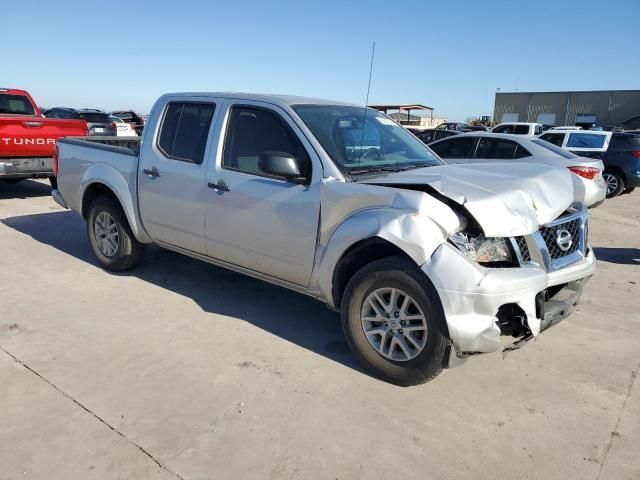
(360, 143)
(554, 148)
(15, 104)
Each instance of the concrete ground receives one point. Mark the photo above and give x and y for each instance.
(182, 370)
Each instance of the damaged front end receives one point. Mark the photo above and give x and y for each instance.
(484, 304)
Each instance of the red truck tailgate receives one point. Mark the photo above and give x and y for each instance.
(33, 136)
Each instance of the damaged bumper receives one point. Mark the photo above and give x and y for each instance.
(482, 305)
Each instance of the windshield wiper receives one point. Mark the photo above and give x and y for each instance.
(391, 168)
(387, 168)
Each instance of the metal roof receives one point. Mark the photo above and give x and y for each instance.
(415, 106)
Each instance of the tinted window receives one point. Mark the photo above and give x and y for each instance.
(499, 149)
(184, 131)
(94, 117)
(456, 147)
(15, 104)
(427, 137)
(624, 142)
(555, 138)
(503, 129)
(521, 129)
(254, 131)
(62, 113)
(554, 148)
(538, 130)
(124, 115)
(585, 140)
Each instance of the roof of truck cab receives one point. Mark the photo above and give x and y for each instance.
(268, 98)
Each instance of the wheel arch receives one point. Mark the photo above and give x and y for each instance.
(104, 180)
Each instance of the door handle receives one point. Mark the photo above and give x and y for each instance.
(220, 186)
(152, 172)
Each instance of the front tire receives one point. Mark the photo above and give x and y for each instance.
(110, 236)
(615, 183)
(54, 183)
(393, 321)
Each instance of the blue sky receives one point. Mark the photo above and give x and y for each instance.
(450, 55)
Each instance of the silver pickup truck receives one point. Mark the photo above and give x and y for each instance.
(427, 263)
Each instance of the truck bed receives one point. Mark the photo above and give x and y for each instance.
(111, 160)
(124, 145)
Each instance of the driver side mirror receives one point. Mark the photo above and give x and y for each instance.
(282, 164)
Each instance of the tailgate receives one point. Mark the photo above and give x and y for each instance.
(33, 136)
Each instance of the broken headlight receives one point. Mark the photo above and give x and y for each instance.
(484, 250)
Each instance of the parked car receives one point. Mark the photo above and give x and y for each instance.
(422, 259)
(27, 138)
(132, 118)
(431, 135)
(619, 152)
(99, 122)
(123, 129)
(589, 184)
(518, 128)
(61, 112)
(460, 127)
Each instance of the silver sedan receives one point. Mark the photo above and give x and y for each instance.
(491, 147)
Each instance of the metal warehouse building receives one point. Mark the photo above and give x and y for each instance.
(600, 107)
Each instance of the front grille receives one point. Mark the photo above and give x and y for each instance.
(550, 235)
(521, 243)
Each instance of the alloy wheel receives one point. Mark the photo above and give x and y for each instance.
(394, 324)
(106, 233)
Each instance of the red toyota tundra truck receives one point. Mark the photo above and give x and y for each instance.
(27, 139)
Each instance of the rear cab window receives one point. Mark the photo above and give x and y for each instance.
(555, 138)
(184, 130)
(521, 129)
(15, 105)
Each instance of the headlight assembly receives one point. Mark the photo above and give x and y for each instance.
(482, 249)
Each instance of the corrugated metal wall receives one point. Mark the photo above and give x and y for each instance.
(609, 107)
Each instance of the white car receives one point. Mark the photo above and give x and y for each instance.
(123, 129)
(518, 128)
(478, 147)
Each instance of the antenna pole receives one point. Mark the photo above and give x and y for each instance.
(366, 102)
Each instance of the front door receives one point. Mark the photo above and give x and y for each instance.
(172, 178)
(256, 220)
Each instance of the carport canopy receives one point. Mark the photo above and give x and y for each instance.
(400, 108)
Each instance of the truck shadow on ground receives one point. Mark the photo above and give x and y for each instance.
(289, 315)
(621, 256)
(23, 189)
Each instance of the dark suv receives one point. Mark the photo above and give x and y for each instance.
(621, 155)
(99, 122)
(622, 163)
(132, 118)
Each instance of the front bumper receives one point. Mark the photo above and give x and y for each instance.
(26, 167)
(477, 301)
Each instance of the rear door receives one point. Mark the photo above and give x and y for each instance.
(171, 176)
(499, 149)
(458, 149)
(253, 219)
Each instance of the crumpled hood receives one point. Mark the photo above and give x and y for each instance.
(505, 199)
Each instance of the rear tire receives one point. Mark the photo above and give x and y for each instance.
(110, 236)
(54, 183)
(615, 183)
(419, 358)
